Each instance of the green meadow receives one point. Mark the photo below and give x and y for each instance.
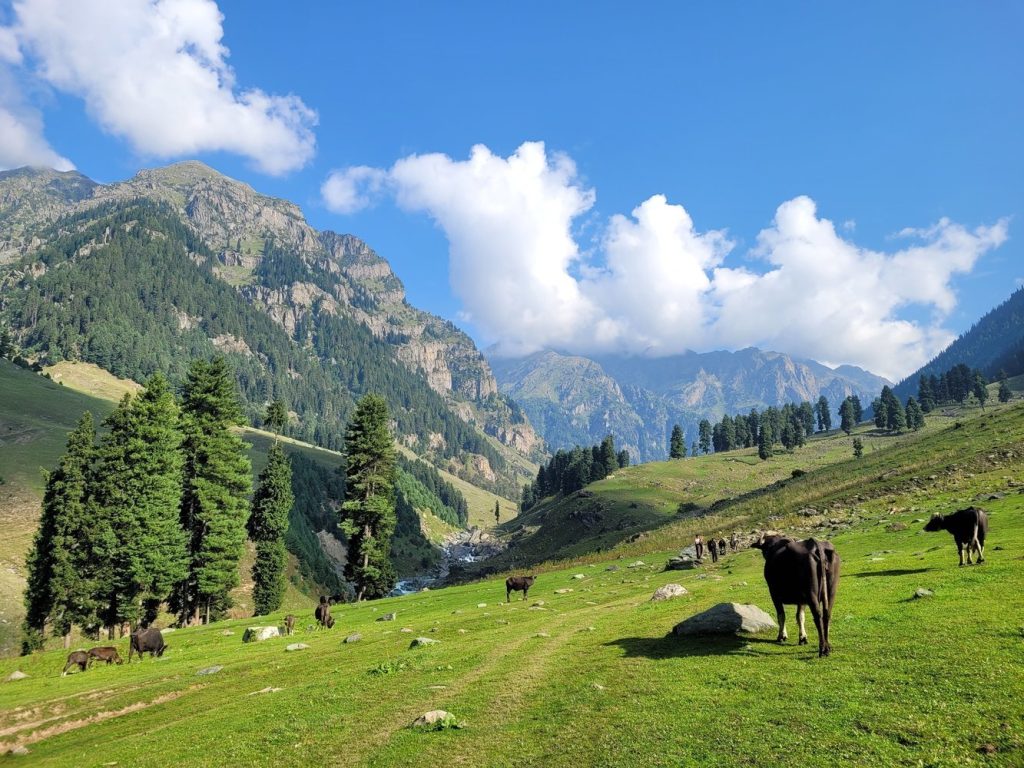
(589, 677)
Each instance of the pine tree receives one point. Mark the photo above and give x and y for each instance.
(895, 415)
(858, 447)
(1005, 394)
(858, 411)
(277, 417)
(880, 409)
(980, 389)
(677, 443)
(497, 512)
(138, 493)
(764, 441)
(623, 458)
(823, 414)
(915, 414)
(58, 589)
(846, 421)
(807, 418)
(369, 508)
(267, 526)
(6, 343)
(925, 394)
(704, 435)
(215, 503)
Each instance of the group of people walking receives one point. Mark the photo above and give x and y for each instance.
(716, 548)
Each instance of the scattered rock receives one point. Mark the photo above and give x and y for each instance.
(258, 634)
(268, 689)
(922, 592)
(296, 647)
(405, 629)
(227, 633)
(579, 576)
(668, 591)
(388, 617)
(727, 619)
(562, 591)
(807, 511)
(741, 583)
(481, 605)
(436, 719)
(419, 642)
(637, 564)
(462, 631)
(612, 568)
(597, 687)
(542, 634)
(537, 604)
(896, 527)
(16, 675)
(355, 637)
(210, 670)
(18, 750)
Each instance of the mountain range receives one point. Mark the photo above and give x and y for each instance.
(578, 400)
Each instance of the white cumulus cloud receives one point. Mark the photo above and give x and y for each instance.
(155, 73)
(352, 189)
(657, 284)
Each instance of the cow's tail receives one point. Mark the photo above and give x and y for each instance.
(822, 557)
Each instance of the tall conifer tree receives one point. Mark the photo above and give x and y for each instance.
(268, 524)
(215, 501)
(677, 443)
(368, 513)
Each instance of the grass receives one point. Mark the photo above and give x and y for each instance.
(591, 679)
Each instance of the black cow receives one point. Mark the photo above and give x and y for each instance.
(78, 659)
(149, 641)
(107, 653)
(518, 584)
(801, 573)
(969, 528)
(323, 614)
(721, 547)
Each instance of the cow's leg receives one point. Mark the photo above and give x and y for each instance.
(800, 624)
(525, 592)
(816, 613)
(780, 613)
(960, 551)
(981, 551)
(62, 674)
(508, 595)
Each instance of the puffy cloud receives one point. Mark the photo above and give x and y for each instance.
(352, 189)
(155, 72)
(21, 131)
(658, 285)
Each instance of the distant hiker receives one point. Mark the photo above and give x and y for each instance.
(969, 528)
(698, 546)
(713, 549)
(518, 584)
(78, 659)
(734, 541)
(289, 624)
(721, 547)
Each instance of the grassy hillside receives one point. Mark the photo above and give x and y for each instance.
(589, 678)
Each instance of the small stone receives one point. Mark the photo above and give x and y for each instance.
(668, 591)
(227, 633)
(431, 718)
(579, 576)
(296, 647)
(355, 637)
(388, 617)
(542, 634)
(562, 591)
(896, 527)
(988, 749)
(258, 634)
(481, 605)
(419, 642)
(210, 670)
(922, 592)
(268, 689)
(597, 687)
(462, 631)
(405, 629)
(537, 604)
(16, 675)
(18, 750)
(741, 583)
(612, 568)
(637, 564)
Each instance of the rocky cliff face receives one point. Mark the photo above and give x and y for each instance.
(324, 271)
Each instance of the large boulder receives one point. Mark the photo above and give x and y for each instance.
(726, 619)
(681, 563)
(258, 634)
(668, 591)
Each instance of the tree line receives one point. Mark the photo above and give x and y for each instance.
(569, 471)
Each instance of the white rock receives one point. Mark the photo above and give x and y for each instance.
(258, 634)
(16, 675)
(209, 670)
(419, 642)
(296, 647)
(668, 591)
(433, 717)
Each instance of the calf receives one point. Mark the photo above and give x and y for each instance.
(149, 641)
(518, 584)
(78, 659)
(323, 614)
(969, 528)
(107, 653)
(801, 573)
(289, 624)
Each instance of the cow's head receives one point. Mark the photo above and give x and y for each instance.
(935, 524)
(766, 540)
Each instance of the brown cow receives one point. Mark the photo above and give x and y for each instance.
(289, 624)
(107, 653)
(518, 584)
(323, 614)
(78, 659)
(969, 528)
(801, 573)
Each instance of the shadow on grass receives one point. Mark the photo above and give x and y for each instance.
(892, 572)
(672, 646)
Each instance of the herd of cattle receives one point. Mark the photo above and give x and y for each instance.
(801, 573)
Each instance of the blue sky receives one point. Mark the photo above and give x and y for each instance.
(887, 116)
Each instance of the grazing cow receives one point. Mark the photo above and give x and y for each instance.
(78, 659)
(721, 547)
(969, 528)
(149, 641)
(801, 573)
(289, 624)
(698, 546)
(323, 614)
(107, 653)
(518, 584)
(713, 549)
